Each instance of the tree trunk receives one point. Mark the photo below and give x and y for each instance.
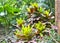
(57, 14)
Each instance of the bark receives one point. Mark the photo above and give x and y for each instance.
(57, 14)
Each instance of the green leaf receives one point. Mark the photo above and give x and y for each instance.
(40, 26)
(41, 9)
(1, 9)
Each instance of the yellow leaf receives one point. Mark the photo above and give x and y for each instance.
(46, 13)
(28, 9)
(34, 5)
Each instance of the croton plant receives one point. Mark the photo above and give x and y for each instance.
(37, 23)
(28, 21)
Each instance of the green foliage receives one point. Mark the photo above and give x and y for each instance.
(20, 21)
(41, 10)
(17, 32)
(46, 13)
(3, 42)
(34, 5)
(1, 8)
(40, 26)
(26, 32)
(51, 5)
(29, 12)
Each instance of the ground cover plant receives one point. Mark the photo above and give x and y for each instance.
(28, 21)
